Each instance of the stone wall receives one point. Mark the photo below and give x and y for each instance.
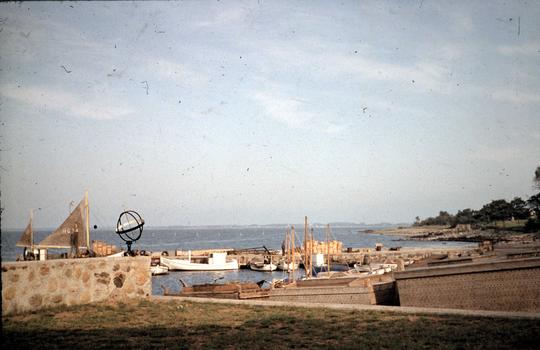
(512, 285)
(32, 285)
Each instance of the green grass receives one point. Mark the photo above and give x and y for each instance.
(181, 325)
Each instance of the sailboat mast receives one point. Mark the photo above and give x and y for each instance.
(311, 239)
(87, 220)
(31, 229)
(328, 246)
(306, 261)
(293, 251)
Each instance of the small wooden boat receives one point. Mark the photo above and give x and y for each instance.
(216, 262)
(159, 270)
(232, 290)
(262, 266)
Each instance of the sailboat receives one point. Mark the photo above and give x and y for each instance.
(287, 263)
(27, 241)
(73, 233)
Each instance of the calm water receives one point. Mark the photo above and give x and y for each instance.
(160, 239)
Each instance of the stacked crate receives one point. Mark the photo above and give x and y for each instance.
(101, 248)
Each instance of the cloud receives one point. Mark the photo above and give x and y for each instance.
(528, 49)
(38, 97)
(220, 18)
(177, 72)
(284, 109)
(428, 75)
(294, 113)
(516, 97)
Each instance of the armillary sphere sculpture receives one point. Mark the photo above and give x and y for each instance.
(129, 227)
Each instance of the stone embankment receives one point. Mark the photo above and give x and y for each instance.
(33, 285)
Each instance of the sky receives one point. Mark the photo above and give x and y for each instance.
(259, 112)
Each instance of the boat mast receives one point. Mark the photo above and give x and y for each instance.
(328, 246)
(311, 240)
(306, 261)
(87, 220)
(292, 246)
(31, 230)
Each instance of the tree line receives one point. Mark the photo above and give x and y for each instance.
(496, 210)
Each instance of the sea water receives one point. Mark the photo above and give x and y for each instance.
(192, 238)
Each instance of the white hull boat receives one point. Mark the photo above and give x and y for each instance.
(262, 267)
(116, 255)
(159, 270)
(283, 266)
(374, 269)
(217, 262)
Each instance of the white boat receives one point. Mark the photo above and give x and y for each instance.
(261, 266)
(373, 269)
(284, 266)
(159, 270)
(116, 255)
(216, 262)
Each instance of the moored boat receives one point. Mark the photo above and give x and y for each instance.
(284, 266)
(262, 266)
(216, 262)
(159, 270)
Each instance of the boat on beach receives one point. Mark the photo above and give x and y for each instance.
(215, 262)
(231, 290)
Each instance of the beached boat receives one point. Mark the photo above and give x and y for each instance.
(159, 270)
(216, 262)
(232, 290)
(262, 266)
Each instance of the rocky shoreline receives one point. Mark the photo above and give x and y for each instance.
(460, 233)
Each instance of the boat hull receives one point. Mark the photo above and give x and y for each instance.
(159, 270)
(264, 268)
(186, 265)
(283, 266)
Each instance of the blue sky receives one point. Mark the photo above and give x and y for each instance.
(252, 112)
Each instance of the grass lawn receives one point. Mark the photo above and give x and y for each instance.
(184, 325)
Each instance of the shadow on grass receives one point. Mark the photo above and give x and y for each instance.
(198, 325)
(292, 332)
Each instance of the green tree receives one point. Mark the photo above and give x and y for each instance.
(466, 216)
(536, 179)
(497, 210)
(519, 209)
(534, 204)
